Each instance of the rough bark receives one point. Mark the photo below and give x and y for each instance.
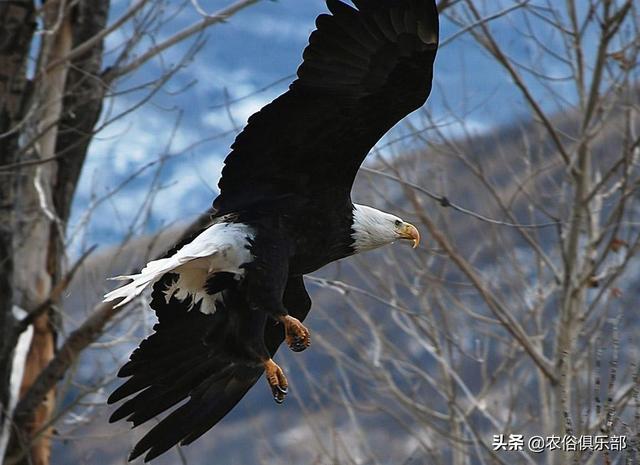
(16, 31)
(37, 217)
(68, 98)
(82, 104)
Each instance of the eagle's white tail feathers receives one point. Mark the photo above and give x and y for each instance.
(221, 247)
(129, 291)
(124, 277)
(149, 274)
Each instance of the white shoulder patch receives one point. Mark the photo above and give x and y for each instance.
(222, 247)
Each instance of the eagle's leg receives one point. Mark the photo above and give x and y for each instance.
(276, 379)
(250, 329)
(267, 278)
(297, 335)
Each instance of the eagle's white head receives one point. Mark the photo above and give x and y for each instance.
(373, 228)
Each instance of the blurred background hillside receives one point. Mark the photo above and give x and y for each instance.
(518, 314)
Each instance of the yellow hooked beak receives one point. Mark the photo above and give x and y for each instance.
(409, 231)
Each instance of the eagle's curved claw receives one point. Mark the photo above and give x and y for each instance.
(296, 334)
(277, 381)
(298, 345)
(279, 394)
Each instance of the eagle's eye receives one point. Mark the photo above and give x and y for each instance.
(398, 222)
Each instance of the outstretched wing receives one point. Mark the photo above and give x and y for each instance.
(363, 70)
(194, 357)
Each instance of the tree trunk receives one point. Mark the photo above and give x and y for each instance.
(33, 278)
(17, 24)
(66, 105)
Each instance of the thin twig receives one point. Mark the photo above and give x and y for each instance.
(55, 293)
(219, 17)
(90, 43)
(445, 202)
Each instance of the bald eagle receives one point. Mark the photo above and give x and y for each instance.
(228, 297)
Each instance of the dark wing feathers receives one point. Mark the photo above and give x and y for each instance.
(363, 71)
(208, 402)
(189, 360)
(345, 17)
(176, 348)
